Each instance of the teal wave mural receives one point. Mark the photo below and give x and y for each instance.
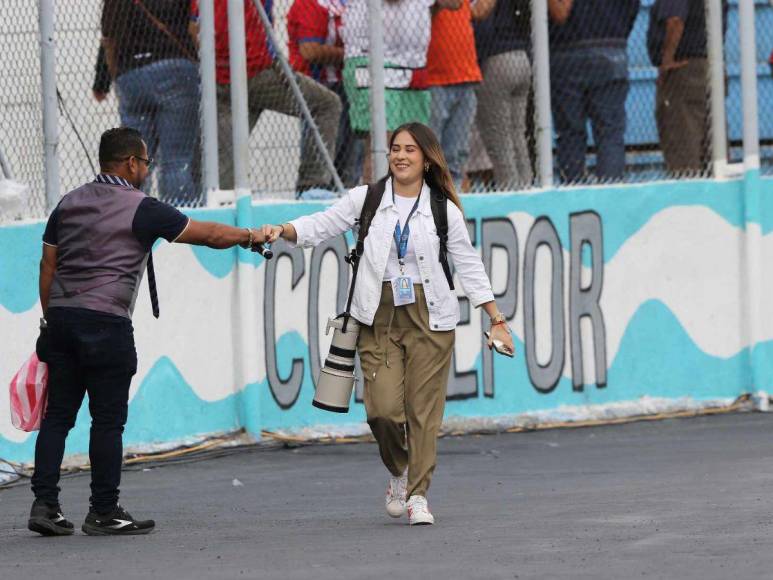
(20, 245)
(20, 251)
(657, 358)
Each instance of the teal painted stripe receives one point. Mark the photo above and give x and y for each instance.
(656, 358)
(20, 252)
(624, 210)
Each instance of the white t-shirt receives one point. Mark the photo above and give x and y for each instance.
(407, 26)
(404, 206)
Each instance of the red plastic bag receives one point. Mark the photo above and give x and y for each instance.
(29, 394)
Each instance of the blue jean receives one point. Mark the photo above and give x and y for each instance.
(453, 112)
(161, 101)
(589, 84)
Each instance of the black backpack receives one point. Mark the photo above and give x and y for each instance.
(369, 209)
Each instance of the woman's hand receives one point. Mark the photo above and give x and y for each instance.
(502, 333)
(272, 233)
(285, 231)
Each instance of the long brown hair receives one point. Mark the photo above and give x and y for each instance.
(438, 176)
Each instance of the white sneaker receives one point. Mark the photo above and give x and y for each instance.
(395, 495)
(418, 511)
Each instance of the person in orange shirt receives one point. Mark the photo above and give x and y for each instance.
(453, 73)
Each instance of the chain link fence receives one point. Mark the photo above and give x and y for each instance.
(623, 109)
(764, 30)
(21, 142)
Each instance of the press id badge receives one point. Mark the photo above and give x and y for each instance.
(402, 289)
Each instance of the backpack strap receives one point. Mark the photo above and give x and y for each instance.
(439, 204)
(368, 212)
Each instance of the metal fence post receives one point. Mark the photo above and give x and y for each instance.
(246, 319)
(751, 134)
(378, 128)
(50, 109)
(716, 55)
(543, 123)
(753, 209)
(209, 147)
(239, 111)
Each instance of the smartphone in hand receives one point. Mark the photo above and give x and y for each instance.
(499, 346)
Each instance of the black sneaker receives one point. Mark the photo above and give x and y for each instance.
(119, 522)
(47, 520)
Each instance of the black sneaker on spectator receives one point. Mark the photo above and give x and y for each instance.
(47, 520)
(119, 522)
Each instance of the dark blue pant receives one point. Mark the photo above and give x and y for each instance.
(87, 352)
(589, 84)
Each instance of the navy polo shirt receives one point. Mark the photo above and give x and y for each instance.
(595, 22)
(693, 14)
(103, 232)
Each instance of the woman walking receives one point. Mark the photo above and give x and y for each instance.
(407, 307)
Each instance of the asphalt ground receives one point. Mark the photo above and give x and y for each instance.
(676, 499)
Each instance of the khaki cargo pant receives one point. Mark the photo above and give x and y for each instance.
(406, 368)
(682, 115)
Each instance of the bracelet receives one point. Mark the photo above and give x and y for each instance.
(502, 322)
(498, 318)
(283, 230)
(251, 237)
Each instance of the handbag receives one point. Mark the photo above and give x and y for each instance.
(29, 394)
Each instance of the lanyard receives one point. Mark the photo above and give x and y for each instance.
(401, 237)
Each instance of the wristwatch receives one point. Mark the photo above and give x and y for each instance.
(43, 323)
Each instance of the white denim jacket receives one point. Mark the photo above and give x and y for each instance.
(442, 303)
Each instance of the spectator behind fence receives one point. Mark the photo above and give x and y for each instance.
(406, 32)
(268, 90)
(676, 41)
(151, 54)
(589, 81)
(453, 74)
(317, 50)
(502, 41)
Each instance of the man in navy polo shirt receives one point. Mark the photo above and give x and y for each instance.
(589, 81)
(96, 247)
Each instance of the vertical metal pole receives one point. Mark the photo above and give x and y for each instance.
(50, 110)
(541, 48)
(751, 134)
(209, 148)
(753, 208)
(717, 84)
(239, 112)
(246, 321)
(378, 125)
